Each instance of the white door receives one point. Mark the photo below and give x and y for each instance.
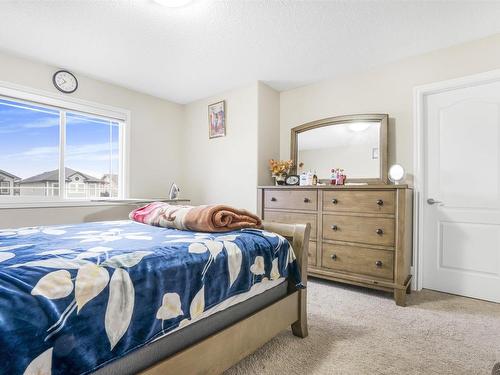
(461, 238)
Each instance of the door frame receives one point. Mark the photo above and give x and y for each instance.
(419, 151)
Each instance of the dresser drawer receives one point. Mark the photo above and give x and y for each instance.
(373, 201)
(352, 259)
(291, 199)
(369, 230)
(292, 218)
(311, 253)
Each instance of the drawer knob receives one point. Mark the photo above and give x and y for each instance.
(334, 257)
(306, 200)
(273, 199)
(334, 201)
(378, 263)
(335, 228)
(380, 202)
(380, 231)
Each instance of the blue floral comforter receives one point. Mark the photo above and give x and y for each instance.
(73, 298)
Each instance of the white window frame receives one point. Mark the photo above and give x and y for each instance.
(65, 104)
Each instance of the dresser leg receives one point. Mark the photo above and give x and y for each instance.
(408, 289)
(400, 297)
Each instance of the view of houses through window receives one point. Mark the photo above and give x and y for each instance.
(31, 150)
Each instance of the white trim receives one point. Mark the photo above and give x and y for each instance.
(63, 102)
(84, 203)
(62, 149)
(419, 94)
(124, 164)
(68, 203)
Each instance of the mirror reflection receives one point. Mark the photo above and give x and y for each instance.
(351, 146)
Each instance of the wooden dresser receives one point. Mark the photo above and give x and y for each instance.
(360, 235)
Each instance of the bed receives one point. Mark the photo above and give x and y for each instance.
(122, 297)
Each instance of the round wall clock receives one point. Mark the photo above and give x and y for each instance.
(292, 180)
(65, 81)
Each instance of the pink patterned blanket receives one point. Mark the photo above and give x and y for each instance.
(213, 218)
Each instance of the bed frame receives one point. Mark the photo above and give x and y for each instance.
(218, 352)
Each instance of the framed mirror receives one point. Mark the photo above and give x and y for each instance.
(355, 143)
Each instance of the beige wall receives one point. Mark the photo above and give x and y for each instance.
(156, 123)
(170, 142)
(26, 217)
(228, 169)
(268, 131)
(156, 126)
(222, 170)
(386, 89)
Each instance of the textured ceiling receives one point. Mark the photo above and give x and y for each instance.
(210, 46)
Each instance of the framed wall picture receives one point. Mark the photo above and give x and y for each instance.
(217, 119)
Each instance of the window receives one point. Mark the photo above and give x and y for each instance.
(5, 188)
(59, 152)
(55, 189)
(93, 154)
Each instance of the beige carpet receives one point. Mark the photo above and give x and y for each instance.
(357, 331)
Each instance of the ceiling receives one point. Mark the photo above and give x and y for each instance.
(210, 46)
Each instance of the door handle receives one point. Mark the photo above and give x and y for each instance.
(432, 201)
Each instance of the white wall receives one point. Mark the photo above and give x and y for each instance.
(386, 89)
(156, 123)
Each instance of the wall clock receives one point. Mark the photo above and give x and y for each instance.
(65, 81)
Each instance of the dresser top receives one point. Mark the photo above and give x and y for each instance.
(339, 187)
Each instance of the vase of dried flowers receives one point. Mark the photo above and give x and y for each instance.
(279, 170)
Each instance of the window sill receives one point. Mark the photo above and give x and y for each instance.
(80, 203)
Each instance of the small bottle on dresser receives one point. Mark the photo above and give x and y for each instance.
(333, 177)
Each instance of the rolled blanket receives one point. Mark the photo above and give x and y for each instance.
(213, 218)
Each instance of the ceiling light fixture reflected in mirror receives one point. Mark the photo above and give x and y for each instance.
(173, 3)
(359, 126)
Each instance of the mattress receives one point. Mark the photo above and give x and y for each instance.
(170, 344)
(76, 298)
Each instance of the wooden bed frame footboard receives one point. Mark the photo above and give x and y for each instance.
(217, 353)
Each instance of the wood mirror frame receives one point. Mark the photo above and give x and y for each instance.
(382, 118)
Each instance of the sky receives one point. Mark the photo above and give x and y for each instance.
(29, 141)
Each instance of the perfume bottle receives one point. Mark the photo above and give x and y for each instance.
(340, 177)
(303, 179)
(333, 177)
